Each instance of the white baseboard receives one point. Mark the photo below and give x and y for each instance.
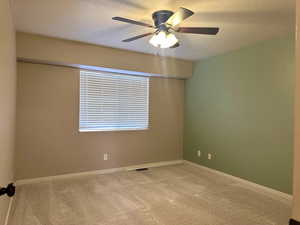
(96, 172)
(8, 211)
(246, 182)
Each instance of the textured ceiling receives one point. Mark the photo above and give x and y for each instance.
(242, 22)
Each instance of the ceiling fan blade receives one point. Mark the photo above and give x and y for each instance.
(179, 16)
(125, 20)
(176, 45)
(137, 37)
(199, 30)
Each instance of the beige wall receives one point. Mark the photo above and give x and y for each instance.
(57, 51)
(7, 100)
(48, 141)
(296, 186)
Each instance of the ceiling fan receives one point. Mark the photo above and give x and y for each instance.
(165, 23)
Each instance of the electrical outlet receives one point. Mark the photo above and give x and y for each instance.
(209, 156)
(105, 156)
(199, 153)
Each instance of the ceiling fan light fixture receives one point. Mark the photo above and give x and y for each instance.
(163, 39)
(164, 22)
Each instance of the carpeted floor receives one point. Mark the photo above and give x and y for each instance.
(172, 195)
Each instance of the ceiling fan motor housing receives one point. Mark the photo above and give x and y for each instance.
(161, 16)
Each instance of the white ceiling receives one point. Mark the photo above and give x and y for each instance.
(242, 22)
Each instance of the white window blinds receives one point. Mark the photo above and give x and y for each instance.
(113, 102)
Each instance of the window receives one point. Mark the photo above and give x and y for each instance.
(113, 102)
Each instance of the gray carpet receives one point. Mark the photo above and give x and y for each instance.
(172, 195)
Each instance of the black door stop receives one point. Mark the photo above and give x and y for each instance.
(10, 190)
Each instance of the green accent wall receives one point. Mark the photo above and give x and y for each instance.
(239, 108)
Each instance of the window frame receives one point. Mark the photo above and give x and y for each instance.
(116, 129)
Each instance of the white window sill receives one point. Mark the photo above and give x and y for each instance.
(111, 129)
